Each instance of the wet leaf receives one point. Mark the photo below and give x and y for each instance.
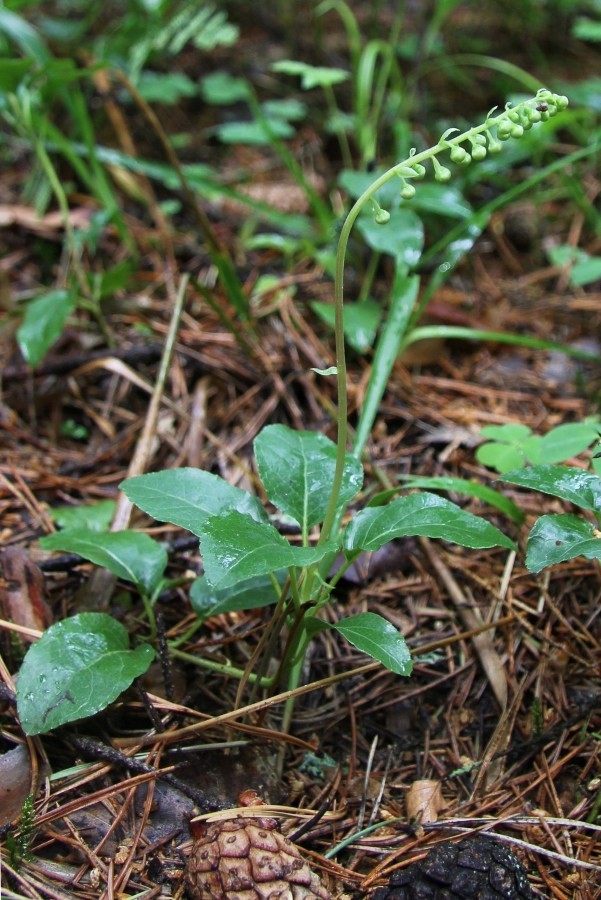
(188, 497)
(129, 555)
(554, 539)
(78, 667)
(297, 469)
(423, 514)
(251, 594)
(235, 548)
(568, 482)
(379, 639)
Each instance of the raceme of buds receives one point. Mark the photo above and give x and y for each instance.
(481, 140)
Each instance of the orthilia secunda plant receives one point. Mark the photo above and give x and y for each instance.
(306, 478)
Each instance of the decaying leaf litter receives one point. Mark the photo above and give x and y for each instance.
(502, 722)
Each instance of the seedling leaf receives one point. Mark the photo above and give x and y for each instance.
(554, 539)
(43, 324)
(297, 469)
(188, 497)
(129, 555)
(93, 516)
(375, 636)
(78, 667)
(568, 482)
(236, 548)
(421, 514)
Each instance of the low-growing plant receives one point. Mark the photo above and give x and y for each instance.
(247, 562)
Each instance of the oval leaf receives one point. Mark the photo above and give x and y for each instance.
(566, 441)
(379, 639)
(235, 548)
(297, 469)
(361, 321)
(78, 667)
(554, 539)
(43, 324)
(568, 482)
(188, 497)
(421, 514)
(402, 236)
(129, 555)
(251, 594)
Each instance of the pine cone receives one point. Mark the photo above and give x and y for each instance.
(249, 859)
(478, 868)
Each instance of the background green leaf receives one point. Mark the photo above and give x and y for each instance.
(361, 321)
(129, 555)
(43, 324)
(553, 539)
(188, 497)
(297, 470)
(251, 594)
(78, 667)
(402, 236)
(421, 514)
(92, 516)
(379, 639)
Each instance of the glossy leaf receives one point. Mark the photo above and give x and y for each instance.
(43, 324)
(568, 482)
(402, 236)
(421, 514)
(375, 636)
(469, 488)
(297, 469)
(188, 497)
(361, 321)
(554, 539)
(251, 594)
(236, 548)
(78, 667)
(130, 555)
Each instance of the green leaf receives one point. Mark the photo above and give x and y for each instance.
(254, 133)
(188, 497)
(361, 321)
(311, 76)
(12, 72)
(470, 488)
(566, 441)
(568, 482)
(441, 200)
(253, 593)
(236, 548)
(165, 87)
(512, 445)
(93, 517)
(379, 639)
(222, 89)
(554, 539)
(421, 514)
(129, 555)
(401, 237)
(501, 457)
(78, 667)
(43, 324)
(297, 469)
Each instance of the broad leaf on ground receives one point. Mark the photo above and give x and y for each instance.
(130, 555)
(568, 482)
(554, 539)
(297, 470)
(375, 636)
(423, 514)
(43, 324)
(78, 667)
(93, 516)
(235, 548)
(188, 497)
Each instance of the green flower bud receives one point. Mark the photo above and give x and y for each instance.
(561, 101)
(516, 131)
(441, 173)
(551, 109)
(460, 156)
(533, 115)
(407, 191)
(504, 131)
(419, 170)
(513, 115)
(479, 153)
(493, 144)
(382, 216)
